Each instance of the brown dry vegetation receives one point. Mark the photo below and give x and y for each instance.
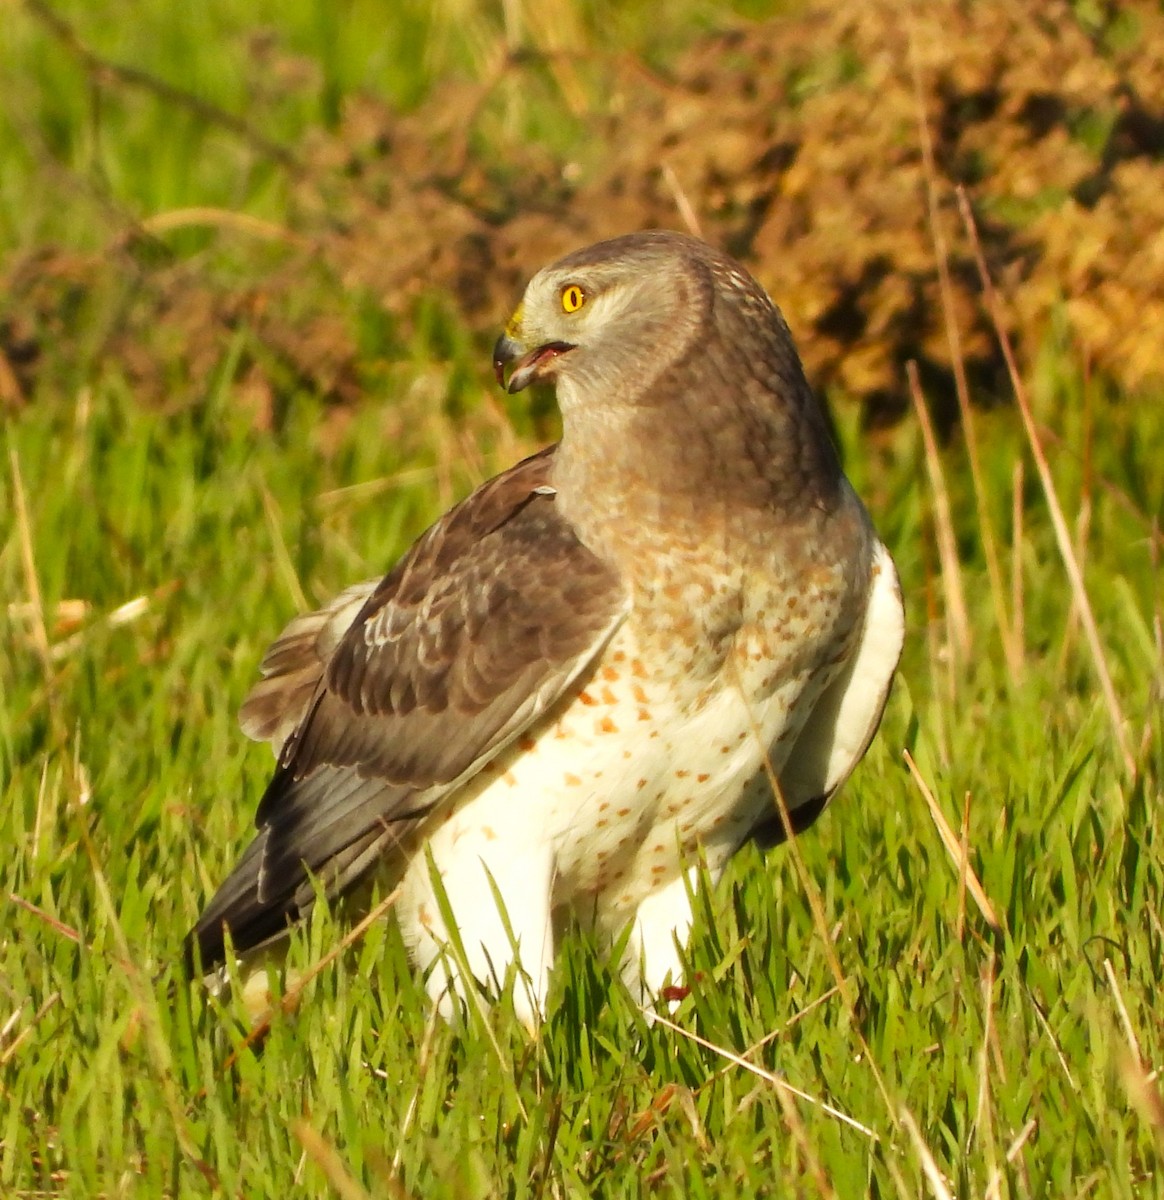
(796, 144)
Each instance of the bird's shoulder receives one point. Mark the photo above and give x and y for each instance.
(478, 626)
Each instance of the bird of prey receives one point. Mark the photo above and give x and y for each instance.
(577, 687)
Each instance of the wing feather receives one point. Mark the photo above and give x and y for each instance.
(845, 718)
(293, 666)
(495, 611)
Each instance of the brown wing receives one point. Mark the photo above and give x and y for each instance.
(476, 632)
(293, 667)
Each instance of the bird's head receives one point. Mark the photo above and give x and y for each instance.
(610, 316)
(658, 337)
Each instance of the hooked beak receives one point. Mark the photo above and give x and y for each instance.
(527, 368)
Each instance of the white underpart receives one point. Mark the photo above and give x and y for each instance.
(662, 925)
(606, 808)
(564, 823)
(602, 811)
(499, 893)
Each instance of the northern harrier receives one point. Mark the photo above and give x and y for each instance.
(572, 688)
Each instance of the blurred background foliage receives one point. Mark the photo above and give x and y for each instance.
(314, 184)
(252, 257)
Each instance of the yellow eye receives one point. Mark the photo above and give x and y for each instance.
(573, 297)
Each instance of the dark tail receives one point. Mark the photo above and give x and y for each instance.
(236, 907)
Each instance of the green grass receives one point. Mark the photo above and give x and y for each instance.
(84, 152)
(122, 768)
(126, 791)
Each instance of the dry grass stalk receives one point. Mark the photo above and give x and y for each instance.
(1046, 1026)
(953, 846)
(1144, 1093)
(1157, 612)
(984, 1117)
(1024, 1134)
(283, 562)
(124, 614)
(354, 494)
(939, 660)
(771, 1036)
(1017, 598)
(1058, 521)
(222, 218)
(555, 28)
(105, 73)
(290, 997)
(936, 1181)
(958, 365)
(66, 614)
(804, 1145)
(157, 1046)
(40, 823)
(1151, 524)
(964, 860)
(1141, 1085)
(1122, 1009)
(1074, 616)
(812, 895)
(777, 1081)
(54, 923)
(423, 1061)
(10, 1051)
(957, 617)
(35, 604)
(1155, 707)
(682, 201)
(994, 1186)
(327, 1159)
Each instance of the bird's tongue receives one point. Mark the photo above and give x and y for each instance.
(532, 366)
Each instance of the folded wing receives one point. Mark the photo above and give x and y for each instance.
(845, 718)
(495, 611)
